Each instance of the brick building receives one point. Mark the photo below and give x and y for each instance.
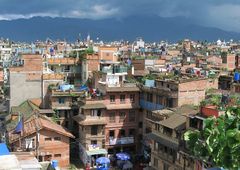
(44, 138)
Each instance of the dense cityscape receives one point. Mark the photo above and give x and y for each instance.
(120, 105)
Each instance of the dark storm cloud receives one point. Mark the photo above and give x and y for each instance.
(220, 13)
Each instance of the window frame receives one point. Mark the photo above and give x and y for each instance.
(132, 98)
(122, 98)
(122, 116)
(112, 100)
(132, 118)
(112, 115)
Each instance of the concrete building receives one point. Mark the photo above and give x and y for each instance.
(109, 117)
(26, 79)
(69, 67)
(108, 53)
(63, 99)
(5, 52)
(167, 145)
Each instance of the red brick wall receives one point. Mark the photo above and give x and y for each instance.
(55, 147)
(192, 92)
(138, 64)
(231, 61)
(32, 62)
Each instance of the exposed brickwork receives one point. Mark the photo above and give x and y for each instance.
(192, 92)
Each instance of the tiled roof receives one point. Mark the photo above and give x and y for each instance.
(26, 109)
(37, 102)
(33, 123)
(47, 124)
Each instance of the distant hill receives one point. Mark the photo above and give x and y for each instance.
(151, 28)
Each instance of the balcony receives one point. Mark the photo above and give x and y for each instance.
(90, 120)
(150, 106)
(164, 139)
(121, 141)
(63, 61)
(114, 70)
(66, 90)
(164, 156)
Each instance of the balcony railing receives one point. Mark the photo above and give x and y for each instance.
(150, 106)
(121, 141)
(112, 70)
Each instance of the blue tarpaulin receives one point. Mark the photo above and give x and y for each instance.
(123, 156)
(83, 88)
(102, 160)
(65, 87)
(3, 149)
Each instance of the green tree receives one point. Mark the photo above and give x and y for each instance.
(219, 141)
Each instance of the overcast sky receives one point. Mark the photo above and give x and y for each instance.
(224, 14)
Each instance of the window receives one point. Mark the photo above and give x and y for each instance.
(140, 124)
(48, 139)
(57, 138)
(167, 131)
(111, 133)
(169, 102)
(57, 155)
(155, 162)
(93, 142)
(47, 157)
(67, 69)
(122, 98)
(149, 97)
(131, 132)
(66, 115)
(159, 99)
(94, 130)
(131, 116)
(122, 116)
(132, 98)
(122, 133)
(111, 117)
(96, 113)
(112, 99)
(61, 100)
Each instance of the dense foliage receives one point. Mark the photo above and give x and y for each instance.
(219, 141)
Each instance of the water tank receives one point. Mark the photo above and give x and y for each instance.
(54, 163)
(236, 76)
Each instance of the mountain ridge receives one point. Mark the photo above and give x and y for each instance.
(151, 28)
